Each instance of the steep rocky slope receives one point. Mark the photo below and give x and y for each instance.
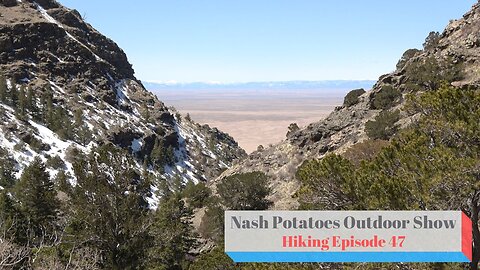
(456, 49)
(49, 50)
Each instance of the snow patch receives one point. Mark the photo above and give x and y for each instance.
(121, 89)
(9, 84)
(110, 77)
(57, 87)
(154, 199)
(58, 58)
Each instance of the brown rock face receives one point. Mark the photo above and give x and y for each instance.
(345, 126)
(59, 47)
(49, 48)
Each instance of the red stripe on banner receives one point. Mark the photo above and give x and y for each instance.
(467, 236)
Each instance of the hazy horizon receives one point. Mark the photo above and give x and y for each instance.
(247, 113)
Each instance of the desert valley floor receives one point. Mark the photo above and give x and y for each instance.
(254, 117)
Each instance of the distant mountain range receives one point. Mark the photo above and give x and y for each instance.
(280, 85)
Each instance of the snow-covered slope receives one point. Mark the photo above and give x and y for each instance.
(84, 79)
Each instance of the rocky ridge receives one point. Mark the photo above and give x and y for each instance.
(459, 45)
(50, 48)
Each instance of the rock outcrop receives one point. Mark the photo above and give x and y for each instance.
(458, 48)
(51, 49)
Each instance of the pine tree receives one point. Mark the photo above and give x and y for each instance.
(43, 99)
(3, 89)
(245, 191)
(62, 183)
(78, 118)
(212, 224)
(22, 103)
(196, 194)
(13, 96)
(84, 135)
(47, 106)
(172, 234)
(37, 198)
(13, 224)
(61, 123)
(7, 170)
(56, 123)
(31, 101)
(145, 165)
(177, 184)
(157, 155)
(146, 112)
(165, 191)
(109, 208)
(218, 259)
(169, 155)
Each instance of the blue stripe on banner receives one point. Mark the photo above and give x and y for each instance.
(348, 257)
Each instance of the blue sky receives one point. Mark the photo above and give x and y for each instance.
(267, 40)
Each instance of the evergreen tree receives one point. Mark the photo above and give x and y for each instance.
(22, 103)
(196, 194)
(157, 156)
(433, 164)
(13, 96)
(47, 106)
(31, 103)
(316, 177)
(13, 225)
(212, 224)
(177, 184)
(8, 212)
(165, 190)
(215, 259)
(384, 126)
(7, 170)
(109, 209)
(170, 155)
(145, 164)
(37, 199)
(430, 73)
(62, 124)
(387, 97)
(3, 89)
(61, 181)
(161, 155)
(78, 118)
(82, 133)
(432, 40)
(246, 191)
(172, 234)
(146, 112)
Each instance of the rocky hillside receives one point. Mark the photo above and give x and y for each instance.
(452, 56)
(66, 87)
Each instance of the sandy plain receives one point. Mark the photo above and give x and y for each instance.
(254, 117)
